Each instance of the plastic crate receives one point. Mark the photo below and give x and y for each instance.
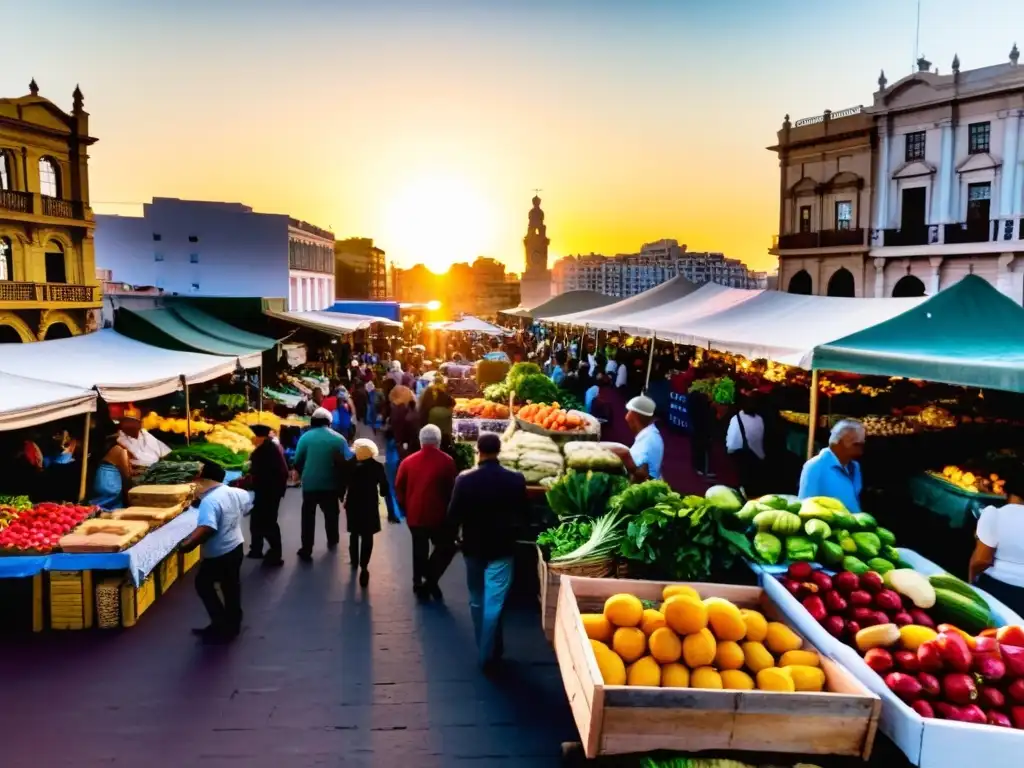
(136, 600)
(188, 561)
(167, 572)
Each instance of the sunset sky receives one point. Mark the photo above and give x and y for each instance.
(429, 130)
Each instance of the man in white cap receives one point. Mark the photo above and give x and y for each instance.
(643, 460)
(319, 456)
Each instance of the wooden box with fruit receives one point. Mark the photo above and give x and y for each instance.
(695, 667)
(928, 645)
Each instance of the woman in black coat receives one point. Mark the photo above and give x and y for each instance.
(365, 484)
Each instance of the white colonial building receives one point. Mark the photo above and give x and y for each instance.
(203, 248)
(910, 194)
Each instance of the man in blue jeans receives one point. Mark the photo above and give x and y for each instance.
(488, 503)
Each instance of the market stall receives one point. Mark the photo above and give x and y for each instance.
(26, 402)
(566, 303)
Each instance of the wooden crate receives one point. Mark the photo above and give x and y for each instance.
(188, 561)
(135, 600)
(71, 599)
(616, 720)
(548, 596)
(108, 603)
(167, 572)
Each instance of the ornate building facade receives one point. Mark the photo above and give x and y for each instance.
(908, 195)
(48, 284)
(536, 283)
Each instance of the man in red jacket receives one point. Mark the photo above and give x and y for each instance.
(424, 489)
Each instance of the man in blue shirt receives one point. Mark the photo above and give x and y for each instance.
(835, 472)
(219, 530)
(558, 372)
(497, 354)
(643, 461)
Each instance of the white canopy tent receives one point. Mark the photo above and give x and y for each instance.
(778, 326)
(121, 369)
(470, 324)
(28, 402)
(334, 323)
(709, 300)
(609, 318)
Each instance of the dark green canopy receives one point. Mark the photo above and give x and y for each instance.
(969, 334)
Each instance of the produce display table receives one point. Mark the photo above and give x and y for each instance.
(960, 507)
(139, 561)
(927, 742)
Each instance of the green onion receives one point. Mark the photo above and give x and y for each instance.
(604, 541)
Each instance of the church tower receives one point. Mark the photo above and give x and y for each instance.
(536, 284)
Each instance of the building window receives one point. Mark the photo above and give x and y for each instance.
(6, 259)
(56, 269)
(978, 135)
(193, 258)
(979, 199)
(157, 237)
(844, 214)
(158, 256)
(193, 238)
(5, 171)
(915, 143)
(805, 218)
(49, 177)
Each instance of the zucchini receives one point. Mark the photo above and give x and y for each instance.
(960, 611)
(953, 584)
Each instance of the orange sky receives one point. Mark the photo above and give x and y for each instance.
(428, 129)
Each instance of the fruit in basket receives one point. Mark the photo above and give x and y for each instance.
(630, 643)
(755, 623)
(729, 655)
(684, 614)
(699, 648)
(781, 638)
(706, 677)
(480, 408)
(775, 679)
(737, 680)
(799, 658)
(675, 676)
(40, 528)
(665, 645)
(806, 678)
(644, 671)
(624, 610)
(597, 627)
(672, 590)
(725, 619)
(551, 417)
(609, 663)
(652, 620)
(757, 657)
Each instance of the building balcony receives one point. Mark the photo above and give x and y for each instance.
(969, 232)
(47, 293)
(907, 236)
(29, 204)
(828, 238)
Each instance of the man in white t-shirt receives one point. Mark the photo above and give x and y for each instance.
(219, 531)
(143, 449)
(997, 564)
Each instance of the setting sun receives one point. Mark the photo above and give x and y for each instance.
(439, 221)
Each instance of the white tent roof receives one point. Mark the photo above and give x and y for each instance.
(783, 327)
(470, 324)
(710, 299)
(122, 369)
(610, 317)
(332, 322)
(27, 402)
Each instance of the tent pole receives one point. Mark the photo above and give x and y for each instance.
(188, 414)
(650, 363)
(85, 457)
(812, 416)
(259, 391)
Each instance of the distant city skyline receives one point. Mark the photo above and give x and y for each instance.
(429, 130)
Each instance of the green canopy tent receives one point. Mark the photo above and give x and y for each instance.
(213, 326)
(969, 334)
(164, 327)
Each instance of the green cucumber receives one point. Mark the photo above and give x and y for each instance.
(960, 611)
(950, 582)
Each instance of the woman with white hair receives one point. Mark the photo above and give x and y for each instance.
(835, 472)
(365, 483)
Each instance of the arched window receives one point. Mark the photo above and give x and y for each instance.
(56, 269)
(6, 172)
(800, 283)
(49, 177)
(6, 259)
(841, 283)
(907, 287)
(57, 331)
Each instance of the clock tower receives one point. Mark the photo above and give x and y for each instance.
(536, 284)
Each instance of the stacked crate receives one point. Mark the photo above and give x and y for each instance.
(71, 599)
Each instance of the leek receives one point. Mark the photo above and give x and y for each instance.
(604, 542)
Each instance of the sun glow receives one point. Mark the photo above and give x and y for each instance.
(437, 221)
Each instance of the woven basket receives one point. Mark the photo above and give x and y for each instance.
(598, 570)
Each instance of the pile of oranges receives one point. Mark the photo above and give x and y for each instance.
(478, 408)
(550, 417)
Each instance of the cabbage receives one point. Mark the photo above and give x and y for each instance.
(724, 498)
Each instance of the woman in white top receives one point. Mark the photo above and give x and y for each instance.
(997, 565)
(744, 441)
